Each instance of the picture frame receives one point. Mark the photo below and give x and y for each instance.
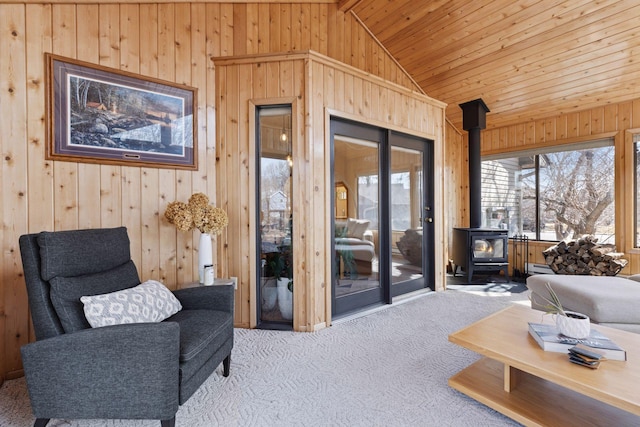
(97, 114)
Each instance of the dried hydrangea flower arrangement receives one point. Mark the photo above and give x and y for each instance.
(198, 213)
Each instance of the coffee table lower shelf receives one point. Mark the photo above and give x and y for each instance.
(535, 401)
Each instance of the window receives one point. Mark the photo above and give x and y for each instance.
(274, 192)
(401, 197)
(552, 195)
(368, 190)
(401, 201)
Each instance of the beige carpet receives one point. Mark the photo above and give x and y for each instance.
(389, 368)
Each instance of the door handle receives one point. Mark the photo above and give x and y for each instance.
(428, 220)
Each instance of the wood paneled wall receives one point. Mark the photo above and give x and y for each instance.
(456, 183)
(612, 120)
(171, 41)
(317, 87)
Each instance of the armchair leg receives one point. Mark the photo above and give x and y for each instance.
(41, 422)
(226, 365)
(168, 423)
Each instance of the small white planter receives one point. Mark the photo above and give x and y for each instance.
(574, 325)
(269, 293)
(285, 299)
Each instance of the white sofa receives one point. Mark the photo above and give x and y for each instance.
(607, 300)
(354, 242)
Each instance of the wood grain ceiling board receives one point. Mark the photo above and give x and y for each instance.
(527, 59)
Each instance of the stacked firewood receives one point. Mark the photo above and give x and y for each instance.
(584, 256)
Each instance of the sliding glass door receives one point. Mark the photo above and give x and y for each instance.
(380, 202)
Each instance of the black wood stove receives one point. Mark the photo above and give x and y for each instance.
(477, 248)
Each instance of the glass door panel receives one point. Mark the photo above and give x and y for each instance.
(356, 217)
(356, 252)
(410, 212)
(406, 215)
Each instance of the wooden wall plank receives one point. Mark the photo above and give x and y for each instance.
(573, 125)
(240, 34)
(273, 42)
(65, 173)
(305, 24)
(40, 209)
(88, 174)
(296, 27)
(347, 93)
(635, 114)
(150, 177)
(110, 176)
(188, 243)
(169, 246)
(200, 63)
(316, 219)
(251, 15)
(335, 35)
(226, 30)
(239, 246)
(222, 140)
(286, 35)
(13, 97)
(40, 173)
(132, 198)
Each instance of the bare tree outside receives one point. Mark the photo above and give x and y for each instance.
(576, 192)
(551, 196)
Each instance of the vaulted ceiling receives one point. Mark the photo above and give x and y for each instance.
(527, 59)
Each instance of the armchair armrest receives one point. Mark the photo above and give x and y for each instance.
(123, 371)
(207, 297)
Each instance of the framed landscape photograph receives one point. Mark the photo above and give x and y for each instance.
(102, 115)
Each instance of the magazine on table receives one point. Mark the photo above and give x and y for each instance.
(549, 339)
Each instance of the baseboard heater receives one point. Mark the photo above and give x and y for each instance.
(533, 268)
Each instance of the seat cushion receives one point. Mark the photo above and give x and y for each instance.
(604, 299)
(66, 292)
(363, 250)
(202, 332)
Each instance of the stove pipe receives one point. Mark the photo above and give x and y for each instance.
(474, 120)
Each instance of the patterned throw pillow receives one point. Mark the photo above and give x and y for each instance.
(150, 301)
(357, 227)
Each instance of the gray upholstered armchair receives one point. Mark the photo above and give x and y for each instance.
(127, 371)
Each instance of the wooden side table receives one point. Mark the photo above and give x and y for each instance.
(216, 282)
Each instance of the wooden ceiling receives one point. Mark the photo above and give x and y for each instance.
(527, 59)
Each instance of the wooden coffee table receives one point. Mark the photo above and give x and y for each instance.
(541, 388)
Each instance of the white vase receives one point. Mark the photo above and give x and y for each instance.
(269, 293)
(285, 298)
(205, 254)
(574, 325)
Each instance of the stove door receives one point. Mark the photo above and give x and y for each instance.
(492, 248)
